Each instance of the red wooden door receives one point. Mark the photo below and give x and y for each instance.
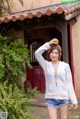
(42, 81)
(36, 78)
(30, 77)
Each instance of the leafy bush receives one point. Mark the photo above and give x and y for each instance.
(12, 55)
(15, 101)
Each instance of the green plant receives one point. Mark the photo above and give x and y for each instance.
(15, 102)
(13, 53)
(33, 92)
(69, 1)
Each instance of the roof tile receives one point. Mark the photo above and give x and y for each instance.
(39, 12)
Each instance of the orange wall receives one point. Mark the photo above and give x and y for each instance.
(31, 4)
(76, 54)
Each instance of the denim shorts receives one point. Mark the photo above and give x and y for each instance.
(56, 102)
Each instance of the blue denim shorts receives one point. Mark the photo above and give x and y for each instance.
(56, 103)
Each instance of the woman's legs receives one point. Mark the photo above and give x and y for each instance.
(52, 112)
(63, 112)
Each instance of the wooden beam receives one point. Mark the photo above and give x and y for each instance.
(41, 24)
(65, 49)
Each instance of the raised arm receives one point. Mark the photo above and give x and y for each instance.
(41, 50)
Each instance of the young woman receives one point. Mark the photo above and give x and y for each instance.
(59, 87)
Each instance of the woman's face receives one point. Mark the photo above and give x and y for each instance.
(54, 55)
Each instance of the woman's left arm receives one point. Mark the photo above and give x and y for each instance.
(71, 91)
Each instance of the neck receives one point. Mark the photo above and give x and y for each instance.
(55, 62)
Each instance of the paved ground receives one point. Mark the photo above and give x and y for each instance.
(40, 110)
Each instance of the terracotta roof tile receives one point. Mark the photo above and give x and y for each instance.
(63, 9)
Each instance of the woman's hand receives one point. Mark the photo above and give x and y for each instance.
(74, 106)
(53, 40)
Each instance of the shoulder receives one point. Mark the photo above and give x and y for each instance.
(64, 64)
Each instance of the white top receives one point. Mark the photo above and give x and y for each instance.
(60, 87)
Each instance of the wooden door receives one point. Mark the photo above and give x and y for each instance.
(35, 76)
(39, 79)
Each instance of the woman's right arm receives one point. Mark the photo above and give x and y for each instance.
(39, 52)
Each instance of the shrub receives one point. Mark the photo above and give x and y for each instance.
(12, 55)
(15, 102)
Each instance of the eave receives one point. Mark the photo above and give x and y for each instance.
(67, 11)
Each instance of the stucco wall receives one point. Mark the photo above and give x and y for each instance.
(76, 54)
(31, 4)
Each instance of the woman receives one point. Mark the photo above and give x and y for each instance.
(59, 87)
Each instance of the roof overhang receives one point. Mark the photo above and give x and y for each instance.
(67, 11)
